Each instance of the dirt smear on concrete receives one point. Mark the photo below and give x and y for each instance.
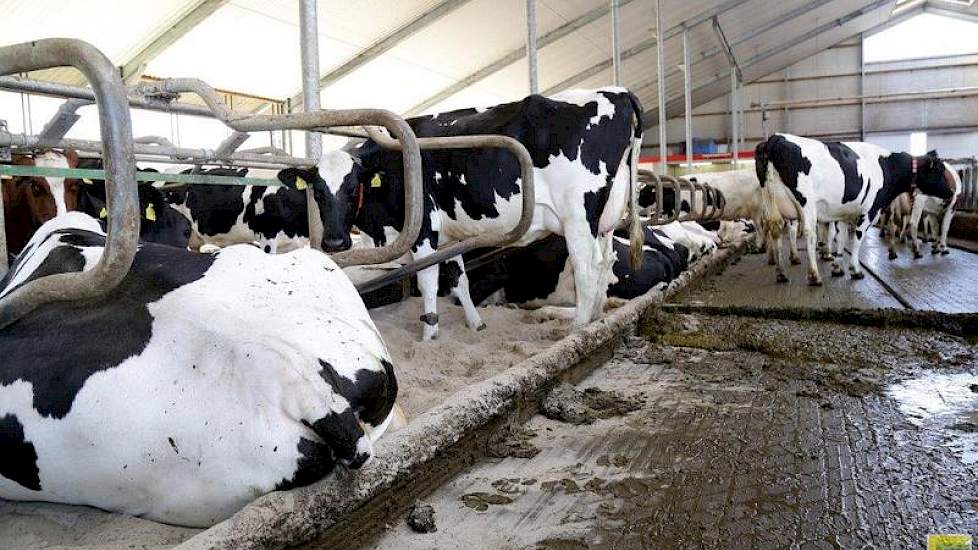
(750, 432)
(569, 404)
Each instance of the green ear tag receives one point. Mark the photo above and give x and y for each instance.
(300, 183)
(103, 214)
(375, 181)
(150, 213)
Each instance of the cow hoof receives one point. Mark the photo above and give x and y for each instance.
(892, 255)
(857, 275)
(825, 258)
(481, 327)
(794, 261)
(782, 278)
(836, 255)
(771, 261)
(917, 255)
(934, 251)
(838, 272)
(814, 281)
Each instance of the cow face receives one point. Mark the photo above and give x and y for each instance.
(332, 197)
(930, 176)
(34, 193)
(159, 222)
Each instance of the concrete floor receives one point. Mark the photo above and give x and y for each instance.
(934, 282)
(752, 434)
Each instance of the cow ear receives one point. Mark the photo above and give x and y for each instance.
(242, 172)
(932, 153)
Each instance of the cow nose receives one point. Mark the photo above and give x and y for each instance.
(333, 245)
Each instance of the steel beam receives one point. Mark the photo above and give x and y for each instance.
(198, 12)
(688, 98)
(309, 50)
(646, 44)
(780, 48)
(387, 43)
(727, 49)
(660, 79)
(531, 45)
(734, 122)
(616, 41)
(948, 12)
(512, 57)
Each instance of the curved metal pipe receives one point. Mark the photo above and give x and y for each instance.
(120, 168)
(678, 185)
(481, 241)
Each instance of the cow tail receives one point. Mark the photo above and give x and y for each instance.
(635, 231)
(771, 219)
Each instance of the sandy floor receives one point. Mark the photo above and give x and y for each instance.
(427, 372)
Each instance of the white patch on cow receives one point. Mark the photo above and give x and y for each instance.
(209, 414)
(334, 166)
(582, 97)
(54, 159)
(435, 217)
(43, 241)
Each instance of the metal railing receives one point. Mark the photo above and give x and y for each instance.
(120, 176)
(711, 200)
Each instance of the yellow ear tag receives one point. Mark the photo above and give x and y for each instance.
(103, 214)
(6, 177)
(86, 180)
(375, 181)
(150, 213)
(300, 183)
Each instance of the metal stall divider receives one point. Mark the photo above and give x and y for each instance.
(120, 166)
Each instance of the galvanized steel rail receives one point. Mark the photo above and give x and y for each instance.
(115, 125)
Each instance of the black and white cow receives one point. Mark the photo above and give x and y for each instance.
(274, 217)
(824, 182)
(540, 274)
(584, 145)
(201, 383)
(159, 222)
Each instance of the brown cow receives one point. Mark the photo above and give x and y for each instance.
(29, 201)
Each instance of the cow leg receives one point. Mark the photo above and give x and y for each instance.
(604, 275)
(836, 238)
(584, 253)
(428, 286)
(945, 227)
(773, 242)
(461, 291)
(889, 231)
(826, 235)
(760, 237)
(793, 255)
(915, 214)
(811, 244)
(855, 242)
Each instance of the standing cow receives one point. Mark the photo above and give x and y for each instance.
(199, 384)
(850, 182)
(29, 201)
(938, 210)
(584, 145)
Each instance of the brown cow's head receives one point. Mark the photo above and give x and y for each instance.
(29, 201)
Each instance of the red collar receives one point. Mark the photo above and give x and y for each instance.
(360, 187)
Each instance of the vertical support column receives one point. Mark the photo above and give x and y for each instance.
(661, 85)
(309, 48)
(616, 40)
(786, 97)
(688, 98)
(734, 123)
(531, 45)
(3, 237)
(862, 88)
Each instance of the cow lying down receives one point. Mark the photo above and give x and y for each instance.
(199, 384)
(540, 274)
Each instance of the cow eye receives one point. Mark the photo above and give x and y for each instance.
(36, 189)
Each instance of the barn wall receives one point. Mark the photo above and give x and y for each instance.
(951, 123)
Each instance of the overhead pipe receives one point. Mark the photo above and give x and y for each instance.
(115, 126)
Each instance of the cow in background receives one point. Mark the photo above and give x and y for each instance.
(938, 210)
(29, 201)
(584, 145)
(851, 182)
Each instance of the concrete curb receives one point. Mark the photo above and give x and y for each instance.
(295, 517)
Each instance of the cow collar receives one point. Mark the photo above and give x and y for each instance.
(359, 194)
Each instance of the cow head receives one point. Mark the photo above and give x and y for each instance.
(333, 184)
(930, 176)
(32, 194)
(159, 222)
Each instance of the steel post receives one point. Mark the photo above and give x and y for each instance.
(688, 98)
(120, 168)
(661, 86)
(616, 40)
(531, 45)
(309, 49)
(734, 130)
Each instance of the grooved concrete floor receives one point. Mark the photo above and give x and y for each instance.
(753, 434)
(936, 283)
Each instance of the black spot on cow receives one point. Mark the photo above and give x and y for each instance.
(848, 162)
(787, 159)
(19, 462)
(57, 363)
(315, 462)
(448, 277)
(371, 394)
